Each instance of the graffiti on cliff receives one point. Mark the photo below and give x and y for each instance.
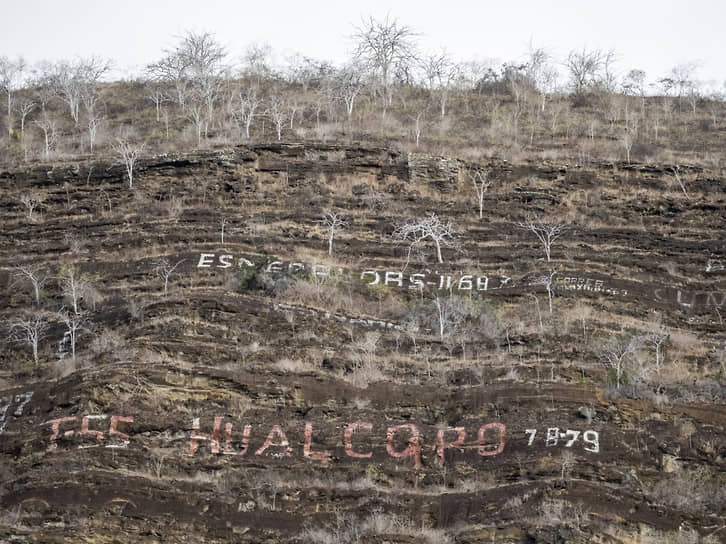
(693, 299)
(90, 437)
(419, 280)
(407, 443)
(19, 401)
(567, 438)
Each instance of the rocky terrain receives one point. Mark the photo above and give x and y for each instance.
(207, 371)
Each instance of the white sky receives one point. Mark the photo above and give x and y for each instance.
(646, 34)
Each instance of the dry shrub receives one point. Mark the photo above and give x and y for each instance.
(109, 342)
(366, 374)
(694, 491)
(351, 528)
(561, 512)
(292, 366)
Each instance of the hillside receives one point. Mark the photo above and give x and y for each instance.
(207, 372)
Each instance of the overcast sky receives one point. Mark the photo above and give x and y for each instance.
(650, 35)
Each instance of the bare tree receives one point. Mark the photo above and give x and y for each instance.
(195, 111)
(25, 108)
(158, 97)
(29, 330)
(547, 280)
(75, 324)
(541, 73)
(74, 79)
(93, 116)
(616, 354)
(31, 201)
(129, 154)
(430, 227)
(584, 68)
(366, 348)
(347, 85)
(172, 69)
(634, 84)
(657, 338)
(278, 113)
(11, 78)
(583, 312)
(539, 313)
(440, 72)
(74, 286)
(50, 135)
(450, 312)
(382, 45)
(677, 175)
(481, 182)
(164, 269)
(245, 109)
(418, 125)
(545, 231)
(204, 60)
(627, 142)
(332, 220)
(36, 275)
(195, 66)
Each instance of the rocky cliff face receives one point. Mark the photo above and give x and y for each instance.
(206, 372)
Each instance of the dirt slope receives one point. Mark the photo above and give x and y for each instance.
(279, 394)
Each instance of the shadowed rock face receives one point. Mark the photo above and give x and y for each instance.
(234, 383)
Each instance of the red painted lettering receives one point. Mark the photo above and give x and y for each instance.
(441, 445)
(113, 430)
(486, 450)
(86, 431)
(349, 430)
(55, 428)
(270, 442)
(228, 450)
(413, 449)
(213, 438)
(307, 446)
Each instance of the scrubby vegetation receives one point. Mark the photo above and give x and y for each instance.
(420, 301)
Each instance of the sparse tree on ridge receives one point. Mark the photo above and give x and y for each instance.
(440, 71)
(72, 80)
(47, 124)
(546, 232)
(585, 68)
(25, 108)
(450, 312)
(195, 67)
(616, 354)
(37, 277)
(481, 181)
(29, 330)
(382, 45)
(74, 286)
(244, 108)
(333, 221)
(31, 201)
(129, 154)
(11, 78)
(278, 114)
(75, 324)
(547, 280)
(348, 84)
(431, 227)
(164, 269)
